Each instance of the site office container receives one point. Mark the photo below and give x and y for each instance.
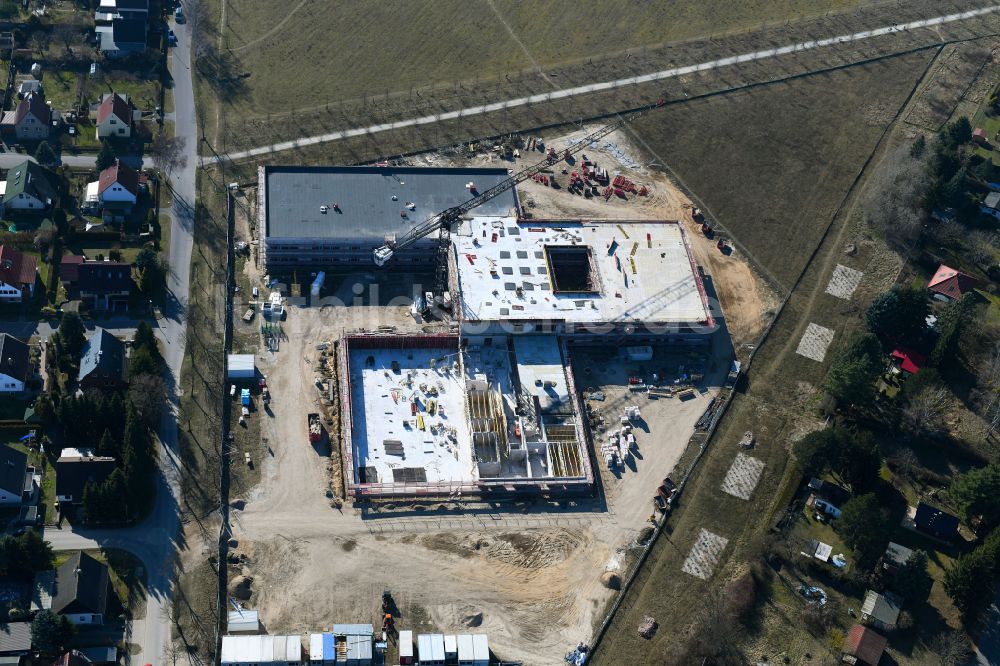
(406, 648)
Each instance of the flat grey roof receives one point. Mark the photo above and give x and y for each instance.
(364, 195)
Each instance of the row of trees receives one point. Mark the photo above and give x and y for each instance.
(972, 580)
(129, 489)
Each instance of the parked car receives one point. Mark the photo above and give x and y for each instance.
(179, 15)
(171, 38)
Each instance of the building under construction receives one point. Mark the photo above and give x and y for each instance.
(333, 218)
(433, 415)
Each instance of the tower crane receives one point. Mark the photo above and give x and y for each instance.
(445, 219)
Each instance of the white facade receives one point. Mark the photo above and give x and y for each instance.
(24, 201)
(85, 618)
(113, 126)
(9, 293)
(10, 384)
(116, 193)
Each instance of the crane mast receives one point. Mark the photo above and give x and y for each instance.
(446, 218)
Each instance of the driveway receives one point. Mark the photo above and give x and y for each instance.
(156, 540)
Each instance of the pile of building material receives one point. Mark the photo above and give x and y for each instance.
(647, 627)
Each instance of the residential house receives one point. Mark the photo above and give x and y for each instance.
(114, 117)
(82, 590)
(906, 361)
(115, 192)
(32, 118)
(101, 285)
(27, 188)
(895, 557)
(949, 284)
(15, 639)
(18, 272)
(17, 479)
(991, 205)
(124, 37)
(15, 364)
(935, 522)
(980, 136)
(863, 646)
(70, 658)
(28, 86)
(100, 655)
(103, 363)
(880, 611)
(109, 10)
(75, 469)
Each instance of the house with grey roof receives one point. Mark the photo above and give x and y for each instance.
(75, 469)
(15, 364)
(103, 362)
(82, 590)
(32, 118)
(15, 639)
(17, 479)
(27, 188)
(880, 610)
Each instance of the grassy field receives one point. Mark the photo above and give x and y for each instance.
(475, 59)
(770, 165)
(400, 44)
(780, 401)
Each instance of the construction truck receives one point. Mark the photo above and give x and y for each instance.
(315, 429)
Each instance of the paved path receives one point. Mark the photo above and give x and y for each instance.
(156, 540)
(600, 87)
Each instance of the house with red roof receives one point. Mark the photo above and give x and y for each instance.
(907, 361)
(17, 275)
(949, 284)
(864, 646)
(115, 191)
(114, 117)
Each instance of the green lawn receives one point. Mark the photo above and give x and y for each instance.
(61, 89)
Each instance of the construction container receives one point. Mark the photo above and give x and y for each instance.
(406, 648)
(450, 649)
(430, 649)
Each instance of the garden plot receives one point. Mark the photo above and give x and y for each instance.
(843, 282)
(814, 342)
(704, 555)
(742, 477)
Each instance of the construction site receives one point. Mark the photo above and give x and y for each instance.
(424, 416)
(514, 394)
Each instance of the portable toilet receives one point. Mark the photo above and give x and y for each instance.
(406, 648)
(450, 649)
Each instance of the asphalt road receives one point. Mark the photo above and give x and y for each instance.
(156, 540)
(603, 86)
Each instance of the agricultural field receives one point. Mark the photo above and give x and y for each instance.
(784, 173)
(779, 402)
(517, 49)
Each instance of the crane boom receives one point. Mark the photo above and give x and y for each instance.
(447, 217)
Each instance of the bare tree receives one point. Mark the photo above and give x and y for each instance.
(924, 412)
(950, 648)
(168, 152)
(66, 32)
(892, 203)
(149, 395)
